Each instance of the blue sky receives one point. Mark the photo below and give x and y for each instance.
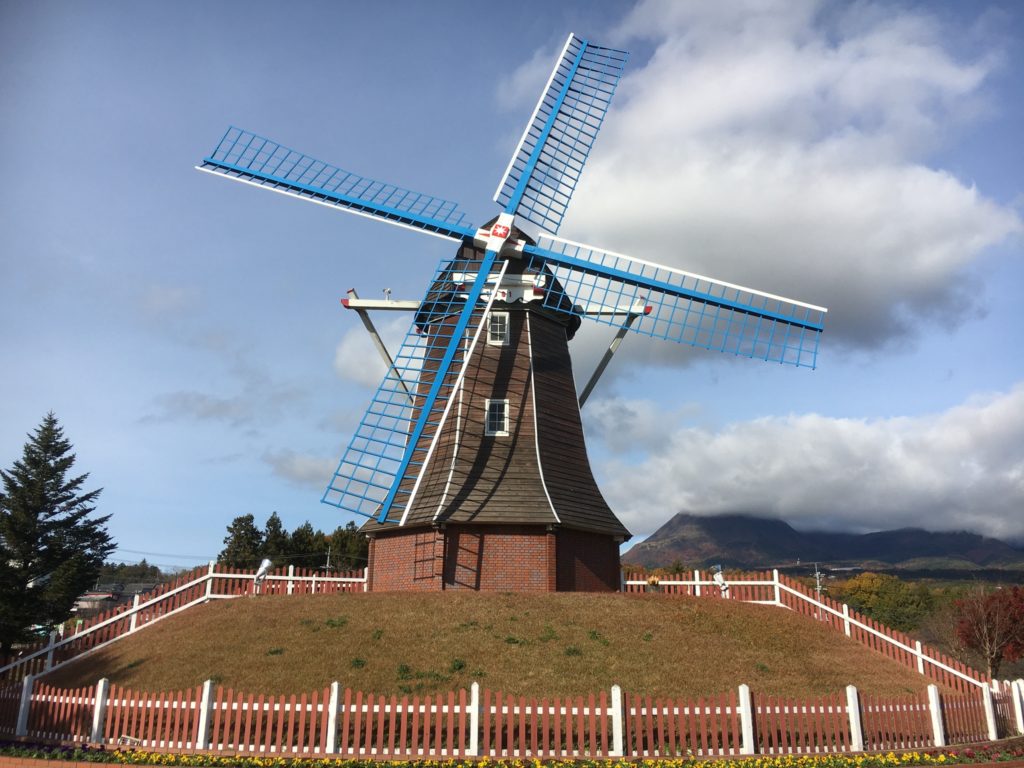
(187, 331)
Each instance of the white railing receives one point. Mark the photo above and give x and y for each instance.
(780, 588)
(146, 610)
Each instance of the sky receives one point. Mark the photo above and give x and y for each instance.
(187, 330)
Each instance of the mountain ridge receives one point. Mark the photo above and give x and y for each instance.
(743, 540)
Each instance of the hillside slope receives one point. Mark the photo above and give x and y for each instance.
(555, 644)
(748, 541)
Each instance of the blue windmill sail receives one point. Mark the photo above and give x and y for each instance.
(247, 157)
(412, 401)
(548, 162)
(684, 307)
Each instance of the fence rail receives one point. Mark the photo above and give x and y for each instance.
(773, 588)
(215, 582)
(190, 589)
(482, 723)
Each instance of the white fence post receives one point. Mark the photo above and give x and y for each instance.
(474, 720)
(99, 711)
(1017, 691)
(24, 706)
(209, 581)
(775, 583)
(853, 712)
(203, 731)
(49, 650)
(135, 613)
(846, 619)
(746, 703)
(696, 586)
(291, 573)
(990, 713)
(920, 657)
(366, 579)
(935, 708)
(332, 719)
(617, 745)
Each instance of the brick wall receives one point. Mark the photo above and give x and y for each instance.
(587, 562)
(494, 558)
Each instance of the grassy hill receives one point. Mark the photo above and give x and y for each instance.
(554, 644)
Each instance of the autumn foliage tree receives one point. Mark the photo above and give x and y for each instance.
(991, 623)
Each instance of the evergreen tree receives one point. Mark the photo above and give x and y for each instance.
(307, 549)
(52, 546)
(243, 546)
(276, 543)
(349, 548)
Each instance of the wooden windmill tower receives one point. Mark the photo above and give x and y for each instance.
(470, 461)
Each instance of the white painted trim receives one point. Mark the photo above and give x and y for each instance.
(536, 432)
(455, 454)
(503, 432)
(326, 204)
(504, 339)
(536, 109)
(682, 272)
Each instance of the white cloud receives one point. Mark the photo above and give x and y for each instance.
(960, 469)
(356, 358)
(301, 469)
(785, 146)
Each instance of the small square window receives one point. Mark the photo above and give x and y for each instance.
(496, 418)
(497, 329)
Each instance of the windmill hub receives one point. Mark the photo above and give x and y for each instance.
(470, 462)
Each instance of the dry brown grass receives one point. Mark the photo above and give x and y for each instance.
(401, 643)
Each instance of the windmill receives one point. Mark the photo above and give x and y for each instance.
(470, 462)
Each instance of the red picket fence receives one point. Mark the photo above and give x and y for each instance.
(410, 728)
(546, 728)
(964, 718)
(901, 723)
(61, 714)
(667, 728)
(188, 589)
(762, 587)
(788, 726)
(285, 725)
(495, 725)
(152, 720)
(1005, 715)
(10, 700)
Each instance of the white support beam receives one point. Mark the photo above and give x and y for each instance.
(853, 713)
(935, 709)
(617, 740)
(332, 718)
(746, 704)
(990, 713)
(99, 711)
(205, 721)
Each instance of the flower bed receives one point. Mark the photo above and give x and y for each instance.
(1008, 754)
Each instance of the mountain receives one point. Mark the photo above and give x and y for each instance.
(751, 542)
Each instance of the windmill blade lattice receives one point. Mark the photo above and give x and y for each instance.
(685, 308)
(244, 156)
(386, 446)
(547, 164)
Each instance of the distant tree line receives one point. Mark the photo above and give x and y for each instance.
(141, 572)
(246, 545)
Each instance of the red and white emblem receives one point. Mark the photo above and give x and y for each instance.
(500, 230)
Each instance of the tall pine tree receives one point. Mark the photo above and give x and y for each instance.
(52, 545)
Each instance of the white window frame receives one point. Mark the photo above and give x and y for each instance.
(502, 340)
(503, 432)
